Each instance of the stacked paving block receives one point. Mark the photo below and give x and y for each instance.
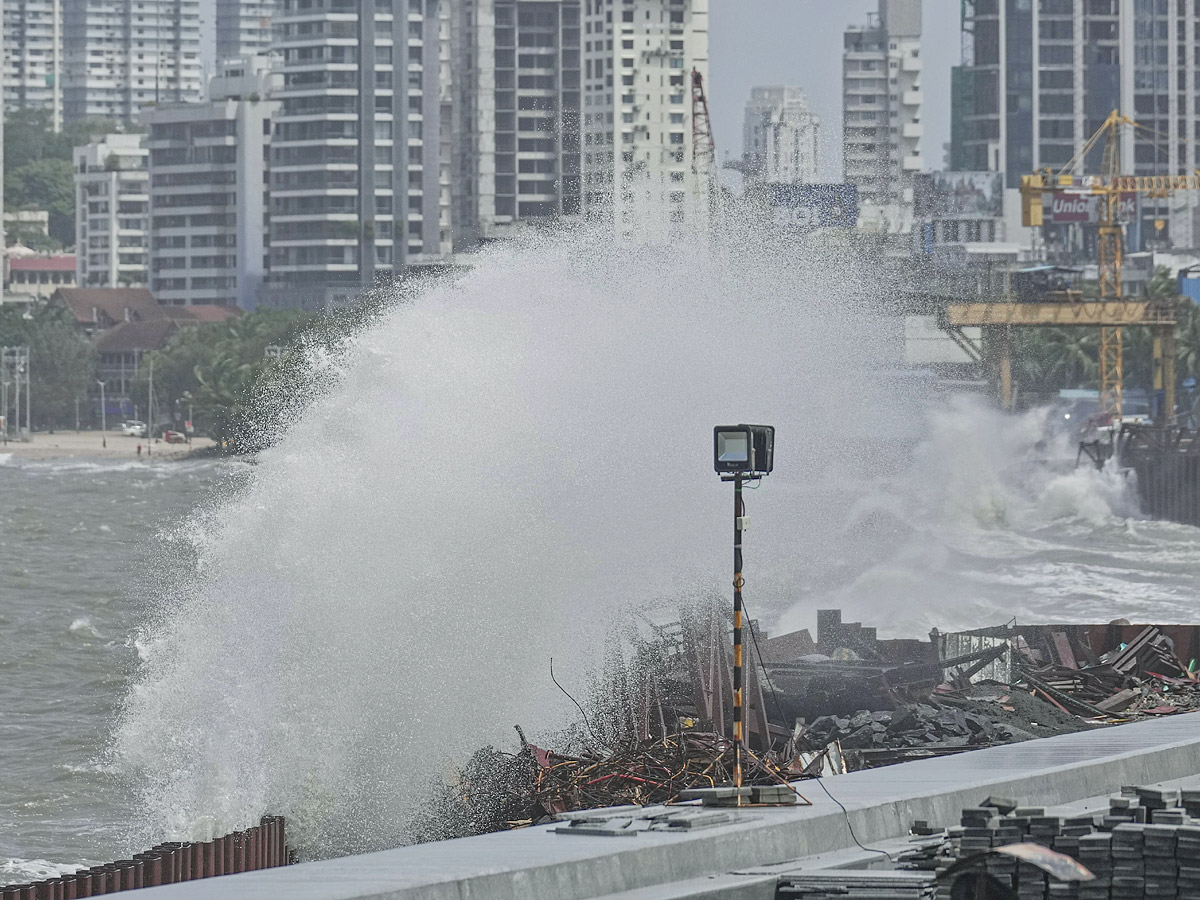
(1144, 846)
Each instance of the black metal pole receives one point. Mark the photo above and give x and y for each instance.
(737, 633)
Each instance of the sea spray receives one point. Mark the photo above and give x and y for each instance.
(989, 499)
(505, 460)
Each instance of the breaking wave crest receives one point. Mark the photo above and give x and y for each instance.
(506, 459)
(995, 520)
(517, 453)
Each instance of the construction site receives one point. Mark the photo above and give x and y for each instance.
(711, 758)
(1036, 761)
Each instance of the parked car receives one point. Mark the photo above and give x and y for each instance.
(134, 428)
(174, 437)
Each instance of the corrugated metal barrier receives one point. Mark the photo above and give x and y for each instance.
(262, 847)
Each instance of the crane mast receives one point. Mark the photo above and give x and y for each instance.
(704, 149)
(1108, 187)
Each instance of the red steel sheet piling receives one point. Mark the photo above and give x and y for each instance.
(165, 864)
(135, 873)
(151, 868)
(128, 873)
(271, 823)
(262, 846)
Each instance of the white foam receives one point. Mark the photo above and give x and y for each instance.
(504, 461)
(83, 626)
(19, 871)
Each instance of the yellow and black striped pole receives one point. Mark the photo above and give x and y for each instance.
(737, 635)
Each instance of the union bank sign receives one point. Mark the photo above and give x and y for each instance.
(1069, 207)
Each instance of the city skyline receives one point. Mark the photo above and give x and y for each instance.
(798, 43)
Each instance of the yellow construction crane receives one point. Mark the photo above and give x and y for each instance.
(1109, 187)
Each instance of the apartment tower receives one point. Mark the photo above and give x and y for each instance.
(881, 113)
(518, 113)
(1037, 79)
(33, 57)
(122, 55)
(360, 150)
(112, 206)
(779, 137)
(208, 165)
(638, 59)
(243, 28)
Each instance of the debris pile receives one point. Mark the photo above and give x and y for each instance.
(650, 773)
(497, 790)
(1144, 676)
(976, 689)
(868, 739)
(845, 701)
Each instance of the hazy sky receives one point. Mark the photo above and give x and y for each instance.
(799, 42)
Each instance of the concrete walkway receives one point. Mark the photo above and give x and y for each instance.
(881, 804)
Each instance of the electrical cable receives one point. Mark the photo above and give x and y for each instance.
(778, 708)
(849, 827)
(758, 650)
(577, 706)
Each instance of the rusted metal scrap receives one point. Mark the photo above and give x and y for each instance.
(649, 772)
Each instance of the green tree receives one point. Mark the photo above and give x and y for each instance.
(215, 368)
(1050, 359)
(38, 167)
(47, 184)
(61, 362)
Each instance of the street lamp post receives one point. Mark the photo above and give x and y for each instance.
(103, 417)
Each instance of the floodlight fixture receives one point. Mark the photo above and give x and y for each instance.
(747, 450)
(741, 453)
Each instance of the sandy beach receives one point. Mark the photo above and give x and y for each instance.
(90, 445)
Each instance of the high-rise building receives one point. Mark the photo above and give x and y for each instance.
(779, 137)
(122, 55)
(208, 165)
(638, 59)
(360, 154)
(33, 57)
(517, 118)
(881, 113)
(112, 205)
(1037, 80)
(243, 28)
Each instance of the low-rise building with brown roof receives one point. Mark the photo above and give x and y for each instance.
(121, 348)
(98, 309)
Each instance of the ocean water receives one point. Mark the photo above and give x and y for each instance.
(75, 537)
(501, 468)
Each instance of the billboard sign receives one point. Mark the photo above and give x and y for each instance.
(814, 205)
(958, 195)
(1073, 207)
